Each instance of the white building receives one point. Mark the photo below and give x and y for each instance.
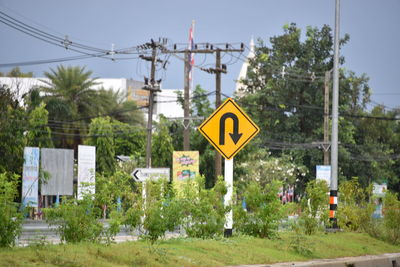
(166, 101)
(243, 70)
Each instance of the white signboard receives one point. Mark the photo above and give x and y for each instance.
(143, 174)
(379, 189)
(324, 173)
(30, 177)
(86, 170)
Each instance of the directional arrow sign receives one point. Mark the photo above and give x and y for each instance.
(229, 129)
(143, 174)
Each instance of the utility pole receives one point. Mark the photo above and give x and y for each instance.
(186, 104)
(152, 87)
(326, 144)
(218, 157)
(219, 68)
(335, 121)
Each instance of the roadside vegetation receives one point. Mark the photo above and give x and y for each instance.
(195, 251)
(280, 209)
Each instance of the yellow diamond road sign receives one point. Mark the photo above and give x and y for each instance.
(229, 129)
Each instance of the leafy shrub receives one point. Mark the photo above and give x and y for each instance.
(263, 212)
(391, 218)
(299, 242)
(356, 207)
(110, 188)
(203, 208)
(10, 218)
(162, 212)
(77, 220)
(314, 207)
(387, 228)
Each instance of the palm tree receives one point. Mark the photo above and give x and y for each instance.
(69, 96)
(113, 104)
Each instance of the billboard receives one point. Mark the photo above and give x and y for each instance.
(324, 173)
(86, 170)
(185, 165)
(30, 177)
(59, 164)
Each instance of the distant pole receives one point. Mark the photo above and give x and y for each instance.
(326, 144)
(335, 121)
(151, 104)
(218, 158)
(186, 128)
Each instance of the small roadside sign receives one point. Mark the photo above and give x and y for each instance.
(229, 129)
(144, 174)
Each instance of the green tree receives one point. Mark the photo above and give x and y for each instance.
(10, 218)
(17, 73)
(114, 103)
(68, 97)
(129, 140)
(12, 127)
(102, 137)
(39, 134)
(161, 146)
(284, 94)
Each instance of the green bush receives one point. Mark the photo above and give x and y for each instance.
(162, 212)
(77, 220)
(387, 228)
(356, 206)
(10, 218)
(314, 207)
(263, 212)
(203, 208)
(391, 218)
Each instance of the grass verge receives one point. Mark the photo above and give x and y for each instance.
(198, 252)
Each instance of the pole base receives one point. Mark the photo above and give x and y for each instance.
(228, 233)
(333, 222)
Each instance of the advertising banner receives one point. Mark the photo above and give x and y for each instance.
(30, 177)
(185, 165)
(86, 170)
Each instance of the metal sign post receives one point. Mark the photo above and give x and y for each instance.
(228, 197)
(229, 129)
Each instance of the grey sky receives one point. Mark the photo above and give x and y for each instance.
(373, 26)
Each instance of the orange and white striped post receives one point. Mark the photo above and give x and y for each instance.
(333, 207)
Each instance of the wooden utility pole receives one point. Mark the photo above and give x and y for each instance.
(326, 144)
(152, 87)
(219, 68)
(186, 122)
(218, 157)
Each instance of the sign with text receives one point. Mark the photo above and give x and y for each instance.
(185, 165)
(30, 177)
(229, 129)
(86, 170)
(144, 174)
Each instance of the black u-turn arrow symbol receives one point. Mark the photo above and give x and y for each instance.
(235, 136)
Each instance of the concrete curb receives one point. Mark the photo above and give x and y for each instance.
(383, 260)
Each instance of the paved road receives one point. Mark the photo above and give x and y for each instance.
(384, 260)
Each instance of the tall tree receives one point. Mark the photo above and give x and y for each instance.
(102, 137)
(69, 96)
(39, 134)
(12, 127)
(161, 146)
(284, 93)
